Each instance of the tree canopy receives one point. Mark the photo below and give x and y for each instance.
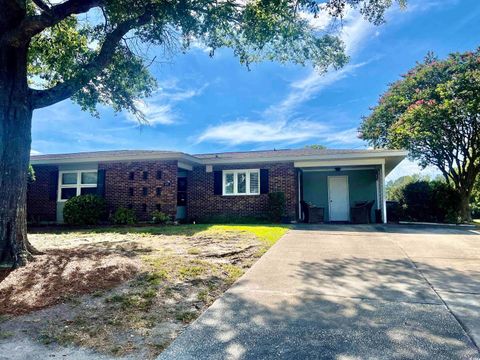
(434, 113)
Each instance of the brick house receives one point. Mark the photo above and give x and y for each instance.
(220, 184)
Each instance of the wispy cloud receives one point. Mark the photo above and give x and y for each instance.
(160, 108)
(34, 152)
(286, 132)
(280, 122)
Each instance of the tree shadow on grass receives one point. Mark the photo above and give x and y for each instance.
(61, 274)
(388, 312)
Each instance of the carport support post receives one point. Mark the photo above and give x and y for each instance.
(382, 195)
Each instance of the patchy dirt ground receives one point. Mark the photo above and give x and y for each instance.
(123, 292)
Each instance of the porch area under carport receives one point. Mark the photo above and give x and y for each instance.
(338, 191)
(339, 186)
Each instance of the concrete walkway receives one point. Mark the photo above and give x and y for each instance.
(349, 292)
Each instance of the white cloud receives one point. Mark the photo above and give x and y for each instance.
(35, 152)
(290, 132)
(160, 108)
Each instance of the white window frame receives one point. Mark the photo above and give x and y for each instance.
(78, 186)
(235, 182)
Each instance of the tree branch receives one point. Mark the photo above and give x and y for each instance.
(64, 90)
(41, 5)
(33, 25)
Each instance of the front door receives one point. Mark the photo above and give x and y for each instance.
(338, 198)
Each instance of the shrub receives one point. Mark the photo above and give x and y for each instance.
(159, 217)
(85, 210)
(276, 206)
(123, 216)
(431, 201)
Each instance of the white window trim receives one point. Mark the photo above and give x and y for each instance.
(235, 182)
(77, 186)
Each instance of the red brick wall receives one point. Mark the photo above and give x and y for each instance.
(203, 203)
(39, 205)
(117, 185)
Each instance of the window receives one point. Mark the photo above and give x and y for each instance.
(159, 191)
(241, 182)
(159, 207)
(159, 174)
(130, 191)
(131, 175)
(145, 175)
(144, 207)
(145, 191)
(74, 183)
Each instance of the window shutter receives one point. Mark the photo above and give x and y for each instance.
(264, 182)
(101, 183)
(217, 183)
(53, 185)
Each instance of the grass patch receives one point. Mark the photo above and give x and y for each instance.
(269, 234)
(181, 269)
(186, 316)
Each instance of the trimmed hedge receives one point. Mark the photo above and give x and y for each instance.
(85, 210)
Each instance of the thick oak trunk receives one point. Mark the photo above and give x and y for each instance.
(15, 140)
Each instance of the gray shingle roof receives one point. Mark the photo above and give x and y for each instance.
(281, 153)
(96, 154)
(243, 156)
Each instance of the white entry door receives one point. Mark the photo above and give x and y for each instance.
(338, 198)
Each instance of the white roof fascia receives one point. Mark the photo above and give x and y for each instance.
(189, 159)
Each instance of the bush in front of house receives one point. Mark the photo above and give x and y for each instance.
(428, 201)
(276, 206)
(124, 216)
(85, 210)
(159, 217)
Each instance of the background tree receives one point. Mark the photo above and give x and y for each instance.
(93, 51)
(315, 146)
(434, 112)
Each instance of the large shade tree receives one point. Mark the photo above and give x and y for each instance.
(434, 112)
(96, 52)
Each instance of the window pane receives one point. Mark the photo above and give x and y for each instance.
(69, 178)
(242, 183)
(89, 190)
(68, 193)
(254, 183)
(228, 183)
(89, 177)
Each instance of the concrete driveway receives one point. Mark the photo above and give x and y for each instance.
(349, 292)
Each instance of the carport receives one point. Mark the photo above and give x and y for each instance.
(335, 186)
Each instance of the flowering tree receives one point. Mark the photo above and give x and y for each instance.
(434, 112)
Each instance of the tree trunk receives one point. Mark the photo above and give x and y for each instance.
(15, 142)
(465, 212)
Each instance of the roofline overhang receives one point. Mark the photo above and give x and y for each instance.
(189, 159)
(374, 157)
(326, 157)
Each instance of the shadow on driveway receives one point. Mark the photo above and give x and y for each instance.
(339, 308)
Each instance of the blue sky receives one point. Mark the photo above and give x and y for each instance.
(215, 104)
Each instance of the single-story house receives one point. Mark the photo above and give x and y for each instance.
(219, 184)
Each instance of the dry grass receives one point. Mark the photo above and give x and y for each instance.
(126, 290)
